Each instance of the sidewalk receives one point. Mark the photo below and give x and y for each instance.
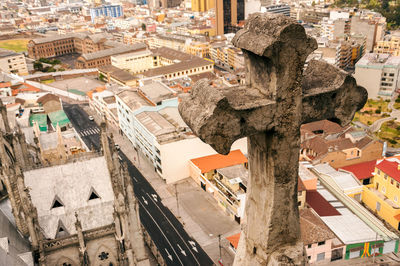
(204, 222)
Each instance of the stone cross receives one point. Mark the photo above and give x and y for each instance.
(277, 98)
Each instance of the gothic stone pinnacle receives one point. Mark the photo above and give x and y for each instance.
(277, 98)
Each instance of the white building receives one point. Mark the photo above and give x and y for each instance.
(378, 74)
(12, 62)
(135, 62)
(158, 131)
(105, 105)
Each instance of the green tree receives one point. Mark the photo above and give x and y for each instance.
(143, 26)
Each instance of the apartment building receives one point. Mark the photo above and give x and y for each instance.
(378, 74)
(103, 57)
(382, 196)
(227, 55)
(389, 45)
(104, 103)
(12, 62)
(113, 11)
(136, 62)
(150, 119)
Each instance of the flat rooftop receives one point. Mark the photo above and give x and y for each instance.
(347, 226)
(80, 84)
(344, 180)
(132, 99)
(157, 91)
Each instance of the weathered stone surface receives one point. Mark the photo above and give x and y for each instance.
(269, 110)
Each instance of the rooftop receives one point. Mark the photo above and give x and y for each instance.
(235, 173)
(113, 51)
(156, 92)
(7, 53)
(132, 99)
(344, 180)
(374, 60)
(117, 73)
(391, 167)
(218, 161)
(72, 184)
(313, 229)
(361, 170)
(348, 227)
(181, 66)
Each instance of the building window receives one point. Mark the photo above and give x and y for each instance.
(385, 176)
(378, 206)
(321, 256)
(391, 181)
(379, 172)
(309, 245)
(321, 243)
(383, 189)
(395, 198)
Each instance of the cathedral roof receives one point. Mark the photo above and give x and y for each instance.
(59, 191)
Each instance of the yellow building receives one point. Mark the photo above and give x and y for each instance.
(136, 62)
(203, 30)
(388, 46)
(202, 5)
(382, 196)
(200, 49)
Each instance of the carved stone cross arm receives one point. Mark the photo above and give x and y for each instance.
(277, 98)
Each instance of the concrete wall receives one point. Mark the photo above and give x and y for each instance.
(370, 79)
(315, 250)
(175, 156)
(57, 91)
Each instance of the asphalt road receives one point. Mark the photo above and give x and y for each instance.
(168, 234)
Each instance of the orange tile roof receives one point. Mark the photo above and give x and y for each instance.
(397, 217)
(217, 161)
(24, 87)
(5, 84)
(98, 89)
(234, 240)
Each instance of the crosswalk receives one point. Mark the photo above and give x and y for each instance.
(89, 131)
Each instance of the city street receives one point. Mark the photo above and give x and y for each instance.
(173, 242)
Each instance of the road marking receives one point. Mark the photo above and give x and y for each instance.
(169, 255)
(177, 232)
(153, 196)
(193, 244)
(134, 178)
(162, 232)
(182, 251)
(145, 201)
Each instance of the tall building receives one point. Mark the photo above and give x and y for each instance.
(202, 5)
(228, 14)
(114, 11)
(378, 74)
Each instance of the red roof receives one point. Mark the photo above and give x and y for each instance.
(234, 240)
(361, 170)
(397, 217)
(390, 168)
(218, 161)
(320, 204)
(5, 84)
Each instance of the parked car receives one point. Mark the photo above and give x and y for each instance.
(91, 118)
(117, 147)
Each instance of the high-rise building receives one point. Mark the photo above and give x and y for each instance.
(277, 9)
(202, 5)
(228, 14)
(114, 11)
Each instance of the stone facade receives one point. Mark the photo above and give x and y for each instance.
(113, 238)
(269, 110)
